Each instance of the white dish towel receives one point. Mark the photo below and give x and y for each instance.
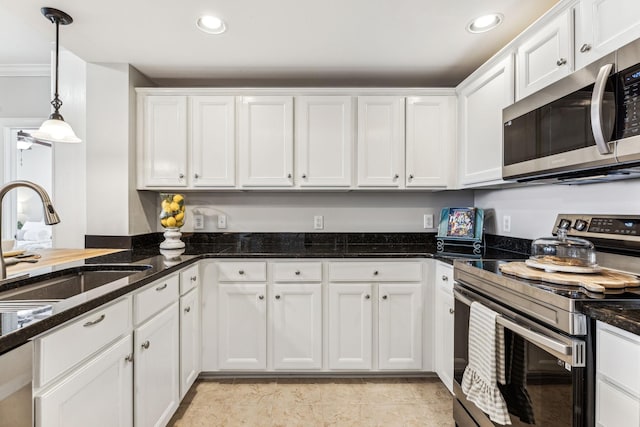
(479, 382)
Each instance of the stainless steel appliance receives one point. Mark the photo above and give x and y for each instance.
(584, 127)
(549, 343)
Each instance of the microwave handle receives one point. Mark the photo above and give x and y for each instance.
(596, 109)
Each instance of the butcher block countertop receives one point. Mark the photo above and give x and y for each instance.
(53, 257)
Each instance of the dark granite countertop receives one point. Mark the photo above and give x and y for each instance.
(624, 315)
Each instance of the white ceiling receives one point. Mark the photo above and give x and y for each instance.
(353, 42)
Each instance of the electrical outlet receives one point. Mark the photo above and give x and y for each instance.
(198, 222)
(428, 220)
(506, 224)
(318, 222)
(222, 221)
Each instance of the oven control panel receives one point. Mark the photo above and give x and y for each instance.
(615, 227)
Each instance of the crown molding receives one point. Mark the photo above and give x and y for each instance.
(25, 70)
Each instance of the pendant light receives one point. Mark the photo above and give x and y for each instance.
(56, 129)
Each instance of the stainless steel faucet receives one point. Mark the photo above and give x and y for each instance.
(50, 215)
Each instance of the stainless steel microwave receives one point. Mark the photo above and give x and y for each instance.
(582, 128)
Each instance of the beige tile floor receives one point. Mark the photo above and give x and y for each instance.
(316, 402)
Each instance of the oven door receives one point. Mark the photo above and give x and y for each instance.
(545, 370)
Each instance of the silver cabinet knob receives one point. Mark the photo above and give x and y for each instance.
(385, 296)
(181, 176)
(194, 278)
(260, 296)
(304, 176)
(396, 176)
(410, 177)
(376, 272)
(585, 48)
(367, 296)
(146, 344)
(241, 272)
(445, 278)
(196, 176)
(561, 61)
(451, 310)
(129, 358)
(187, 309)
(297, 272)
(277, 296)
(289, 175)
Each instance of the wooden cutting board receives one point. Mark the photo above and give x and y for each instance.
(594, 282)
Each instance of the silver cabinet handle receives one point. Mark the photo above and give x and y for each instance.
(181, 176)
(241, 272)
(451, 310)
(561, 62)
(196, 176)
(585, 48)
(445, 278)
(367, 296)
(146, 344)
(194, 278)
(597, 124)
(162, 287)
(277, 296)
(95, 322)
(376, 272)
(129, 358)
(187, 309)
(385, 296)
(260, 296)
(297, 272)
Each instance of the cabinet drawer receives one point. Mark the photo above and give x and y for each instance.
(189, 279)
(375, 271)
(615, 408)
(297, 272)
(64, 348)
(617, 357)
(155, 297)
(242, 272)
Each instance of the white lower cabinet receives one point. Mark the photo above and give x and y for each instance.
(617, 377)
(443, 325)
(296, 319)
(350, 326)
(242, 326)
(400, 326)
(156, 378)
(99, 393)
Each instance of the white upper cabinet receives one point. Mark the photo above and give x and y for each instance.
(430, 141)
(545, 56)
(164, 142)
(324, 141)
(266, 141)
(213, 141)
(603, 26)
(380, 141)
(481, 99)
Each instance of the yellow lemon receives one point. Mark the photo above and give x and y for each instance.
(163, 222)
(180, 216)
(183, 208)
(171, 222)
(174, 206)
(179, 223)
(178, 198)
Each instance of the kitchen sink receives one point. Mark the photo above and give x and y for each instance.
(66, 284)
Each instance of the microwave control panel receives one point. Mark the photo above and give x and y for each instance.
(629, 118)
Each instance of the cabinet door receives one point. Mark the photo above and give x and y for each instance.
(481, 101)
(430, 141)
(297, 326)
(164, 150)
(380, 141)
(324, 141)
(350, 326)
(242, 326)
(602, 26)
(266, 141)
(213, 141)
(157, 377)
(100, 393)
(444, 303)
(546, 56)
(189, 340)
(400, 326)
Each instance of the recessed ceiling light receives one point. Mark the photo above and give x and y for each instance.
(485, 23)
(211, 24)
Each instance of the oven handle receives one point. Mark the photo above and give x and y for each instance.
(571, 353)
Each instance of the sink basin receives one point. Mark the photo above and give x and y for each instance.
(74, 282)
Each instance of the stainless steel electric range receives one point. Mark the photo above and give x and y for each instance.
(549, 340)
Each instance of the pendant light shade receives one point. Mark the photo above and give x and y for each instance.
(55, 129)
